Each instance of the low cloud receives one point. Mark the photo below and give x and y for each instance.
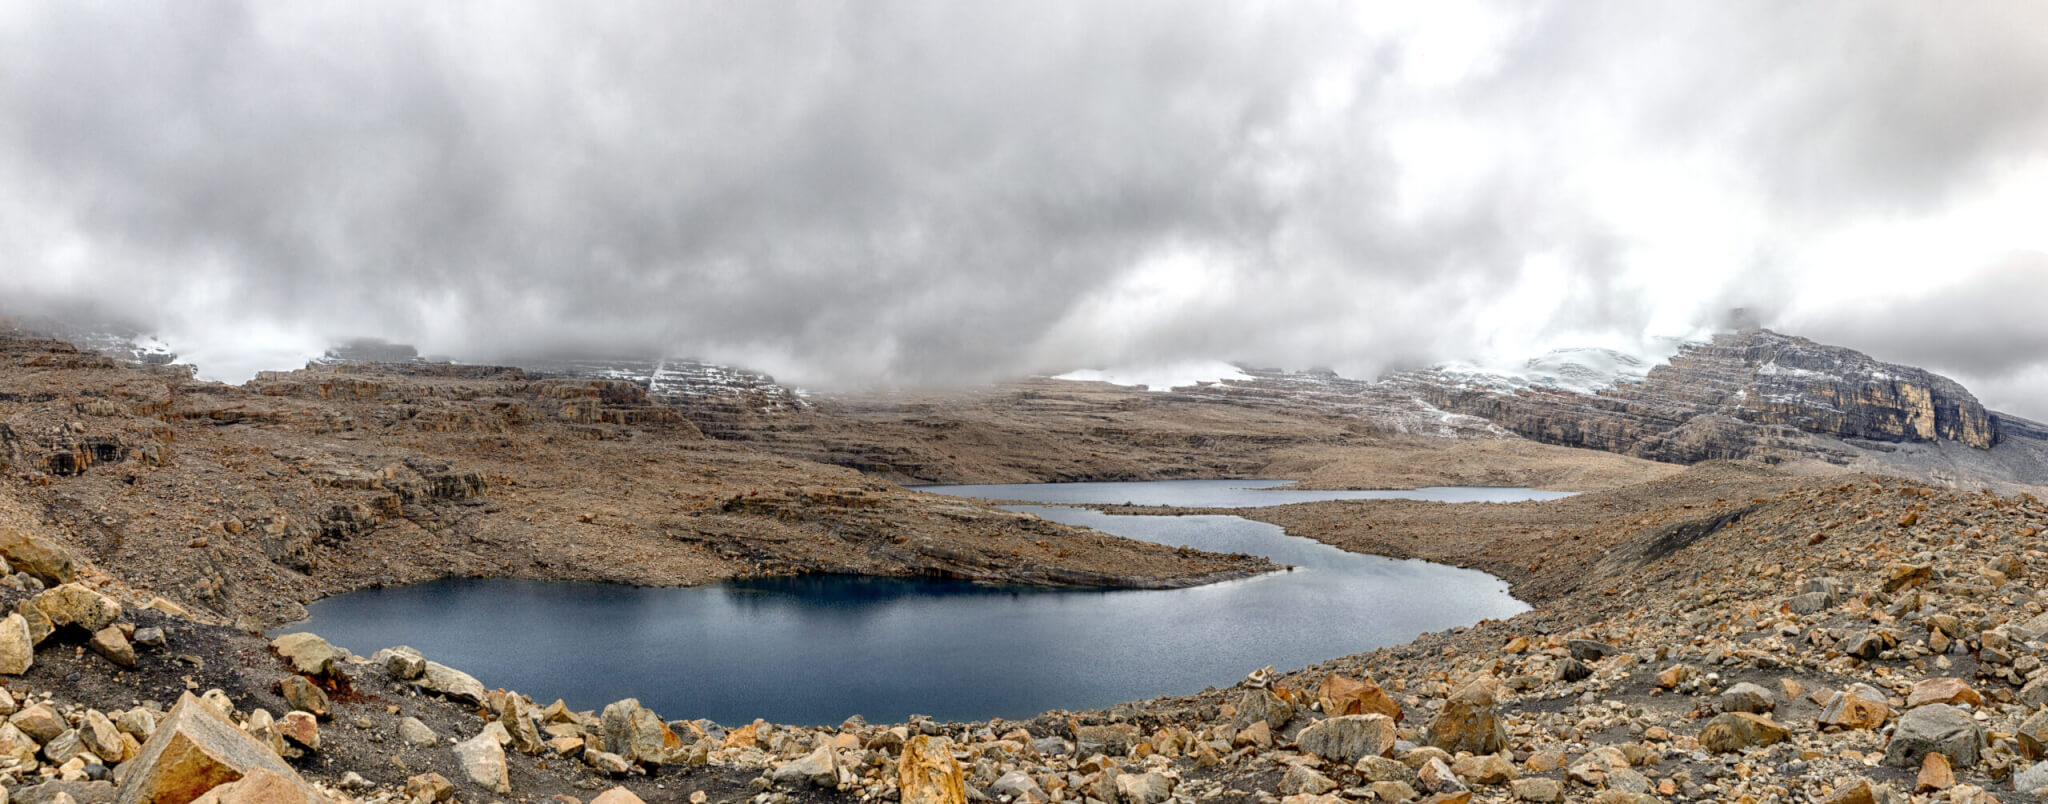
(920, 194)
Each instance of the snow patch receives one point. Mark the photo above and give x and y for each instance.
(1161, 377)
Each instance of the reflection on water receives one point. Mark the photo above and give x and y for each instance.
(816, 649)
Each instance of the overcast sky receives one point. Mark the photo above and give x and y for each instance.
(880, 193)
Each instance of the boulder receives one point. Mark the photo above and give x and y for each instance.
(261, 787)
(1468, 722)
(429, 787)
(638, 734)
(1261, 704)
(194, 750)
(927, 773)
(17, 648)
(1436, 777)
(1858, 706)
(1942, 690)
(1113, 739)
(1935, 774)
(483, 760)
(2033, 735)
(607, 762)
(1587, 650)
(1543, 791)
(456, 685)
(75, 605)
(301, 728)
(1019, 786)
(1730, 732)
(40, 722)
(111, 644)
(39, 557)
(617, 795)
(1485, 769)
(1747, 697)
(413, 731)
(1349, 738)
(1339, 695)
(1144, 788)
(100, 737)
(302, 695)
(819, 768)
(1934, 727)
(1302, 779)
(402, 662)
(2033, 781)
(308, 654)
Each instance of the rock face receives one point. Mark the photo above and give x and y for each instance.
(1753, 394)
(193, 751)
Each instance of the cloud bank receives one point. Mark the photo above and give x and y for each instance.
(901, 193)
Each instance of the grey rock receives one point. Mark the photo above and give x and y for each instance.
(1350, 738)
(1934, 728)
(1747, 697)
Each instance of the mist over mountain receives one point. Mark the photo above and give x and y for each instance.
(936, 194)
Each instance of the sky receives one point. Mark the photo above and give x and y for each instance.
(888, 194)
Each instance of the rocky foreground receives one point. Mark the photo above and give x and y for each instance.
(1842, 640)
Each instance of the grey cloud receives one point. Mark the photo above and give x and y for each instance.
(902, 192)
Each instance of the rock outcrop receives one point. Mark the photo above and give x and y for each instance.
(1754, 394)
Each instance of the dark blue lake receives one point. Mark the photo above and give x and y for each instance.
(817, 649)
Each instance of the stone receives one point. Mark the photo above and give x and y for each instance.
(1257, 705)
(1573, 670)
(308, 654)
(39, 625)
(17, 746)
(448, 681)
(1906, 576)
(1673, 676)
(429, 787)
(1934, 728)
(1544, 791)
(617, 795)
(1489, 769)
(1810, 603)
(1468, 722)
(1859, 791)
(1747, 697)
(1436, 777)
(194, 750)
(1304, 779)
(819, 768)
(1587, 650)
(1349, 738)
(1339, 695)
(63, 747)
(927, 773)
(1114, 739)
(1257, 735)
(483, 760)
(301, 694)
(637, 733)
(101, 737)
(151, 637)
(261, 726)
(1393, 791)
(2033, 781)
(413, 731)
(261, 786)
(1857, 706)
(17, 648)
(1144, 788)
(1942, 690)
(1730, 732)
(607, 762)
(113, 646)
(1382, 769)
(300, 728)
(40, 722)
(75, 605)
(1935, 774)
(402, 662)
(1019, 786)
(41, 558)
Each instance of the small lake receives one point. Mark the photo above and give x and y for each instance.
(816, 649)
(1227, 493)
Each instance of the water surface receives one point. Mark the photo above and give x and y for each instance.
(816, 649)
(1226, 493)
